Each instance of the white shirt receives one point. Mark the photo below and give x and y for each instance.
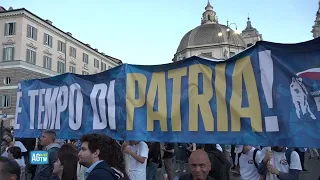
(137, 170)
(248, 170)
(279, 162)
(22, 148)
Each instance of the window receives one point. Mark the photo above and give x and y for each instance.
(103, 66)
(85, 73)
(72, 69)
(5, 101)
(73, 52)
(31, 56)
(47, 62)
(6, 80)
(61, 67)
(8, 54)
(61, 46)
(47, 40)
(96, 63)
(10, 29)
(32, 32)
(85, 58)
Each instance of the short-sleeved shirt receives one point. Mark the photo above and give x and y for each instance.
(167, 155)
(137, 170)
(248, 170)
(279, 161)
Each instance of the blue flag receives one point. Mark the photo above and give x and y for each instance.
(268, 94)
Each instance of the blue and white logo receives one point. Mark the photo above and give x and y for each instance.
(39, 157)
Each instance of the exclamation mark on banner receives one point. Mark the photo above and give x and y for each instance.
(266, 69)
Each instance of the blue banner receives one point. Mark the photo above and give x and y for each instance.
(268, 94)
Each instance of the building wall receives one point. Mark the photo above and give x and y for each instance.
(21, 43)
(19, 69)
(215, 51)
(15, 74)
(11, 41)
(251, 40)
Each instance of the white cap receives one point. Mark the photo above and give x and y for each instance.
(238, 149)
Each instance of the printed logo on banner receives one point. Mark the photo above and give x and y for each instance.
(39, 157)
(299, 92)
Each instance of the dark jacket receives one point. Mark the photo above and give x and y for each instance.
(154, 153)
(102, 172)
(44, 172)
(220, 165)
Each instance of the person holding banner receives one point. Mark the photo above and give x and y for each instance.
(138, 154)
(284, 165)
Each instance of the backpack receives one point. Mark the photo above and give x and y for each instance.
(287, 154)
(254, 158)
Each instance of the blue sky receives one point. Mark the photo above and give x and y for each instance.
(149, 31)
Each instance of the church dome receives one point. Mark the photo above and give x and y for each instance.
(207, 34)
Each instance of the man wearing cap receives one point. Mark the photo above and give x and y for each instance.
(249, 161)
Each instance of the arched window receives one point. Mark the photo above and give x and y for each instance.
(209, 18)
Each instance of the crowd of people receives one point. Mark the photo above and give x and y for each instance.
(99, 157)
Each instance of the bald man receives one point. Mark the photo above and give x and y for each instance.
(200, 166)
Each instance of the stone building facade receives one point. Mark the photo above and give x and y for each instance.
(33, 48)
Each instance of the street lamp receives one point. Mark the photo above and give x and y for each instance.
(228, 34)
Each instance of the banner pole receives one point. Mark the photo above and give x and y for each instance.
(36, 145)
(1, 130)
(270, 162)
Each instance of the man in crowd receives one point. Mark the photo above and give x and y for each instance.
(285, 164)
(138, 155)
(200, 166)
(47, 140)
(248, 162)
(92, 154)
(9, 169)
(168, 153)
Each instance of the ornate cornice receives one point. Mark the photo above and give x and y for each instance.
(30, 44)
(72, 62)
(9, 42)
(61, 58)
(47, 52)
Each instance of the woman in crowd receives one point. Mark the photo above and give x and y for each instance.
(115, 158)
(66, 165)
